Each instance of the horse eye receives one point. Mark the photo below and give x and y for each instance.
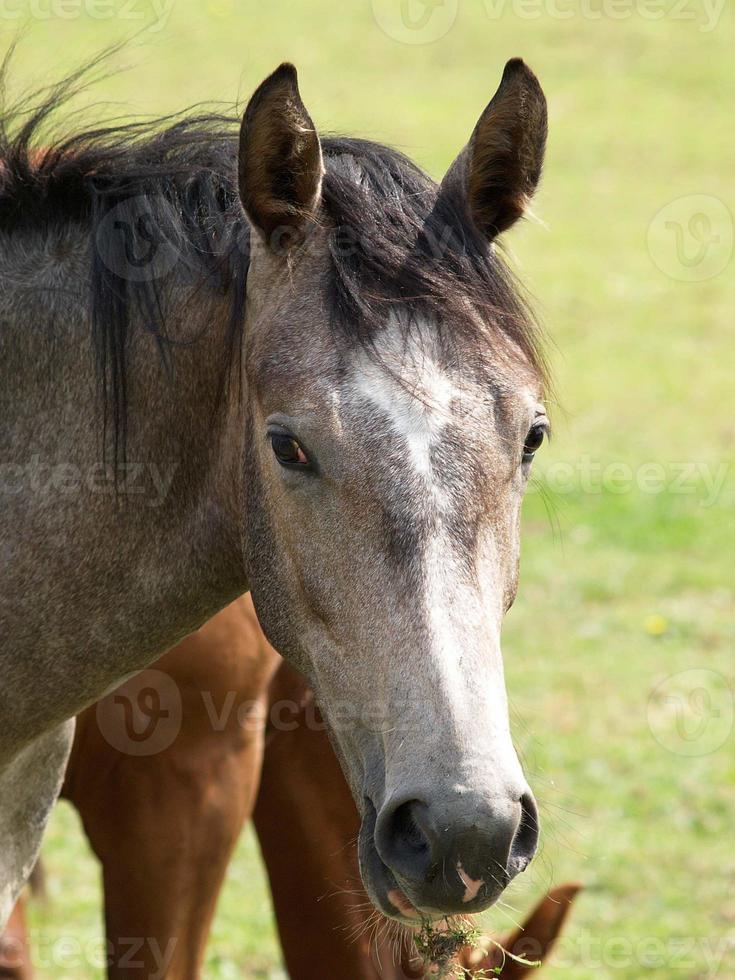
(533, 442)
(287, 450)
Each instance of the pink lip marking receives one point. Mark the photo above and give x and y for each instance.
(471, 887)
(399, 901)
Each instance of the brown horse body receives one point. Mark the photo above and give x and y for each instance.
(164, 773)
(164, 822)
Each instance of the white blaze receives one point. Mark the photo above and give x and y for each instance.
(408, 388)
(413, 392)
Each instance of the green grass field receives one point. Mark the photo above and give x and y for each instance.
(620, 648)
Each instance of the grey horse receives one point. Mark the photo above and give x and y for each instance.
(286, 364)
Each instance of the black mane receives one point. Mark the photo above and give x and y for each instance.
(396, 243)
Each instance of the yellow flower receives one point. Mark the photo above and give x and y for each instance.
(655, 624)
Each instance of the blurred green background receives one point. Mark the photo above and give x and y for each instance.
(620, 648)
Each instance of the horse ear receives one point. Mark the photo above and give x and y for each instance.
(530, 943)
(280, 160)
(497, 172)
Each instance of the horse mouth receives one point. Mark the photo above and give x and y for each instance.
(431, 895)
(383, 890)
(382, 887)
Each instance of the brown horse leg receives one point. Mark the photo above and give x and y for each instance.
(307, 825)
(15, 958)
(164, 824)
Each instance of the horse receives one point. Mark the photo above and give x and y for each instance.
(325, 927)
(235, 355)
(162, 805)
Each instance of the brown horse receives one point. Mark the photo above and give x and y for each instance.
(15, 953)
(314, 378)
(164, 772)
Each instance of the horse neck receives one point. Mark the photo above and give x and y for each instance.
(102, 583)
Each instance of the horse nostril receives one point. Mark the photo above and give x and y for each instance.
(407, 829)
(526, 836)
(402, 840)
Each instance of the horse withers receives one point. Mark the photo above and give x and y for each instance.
(350, 437)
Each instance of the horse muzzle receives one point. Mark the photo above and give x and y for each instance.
(429, 860)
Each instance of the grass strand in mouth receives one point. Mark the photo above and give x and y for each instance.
(439, 946)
